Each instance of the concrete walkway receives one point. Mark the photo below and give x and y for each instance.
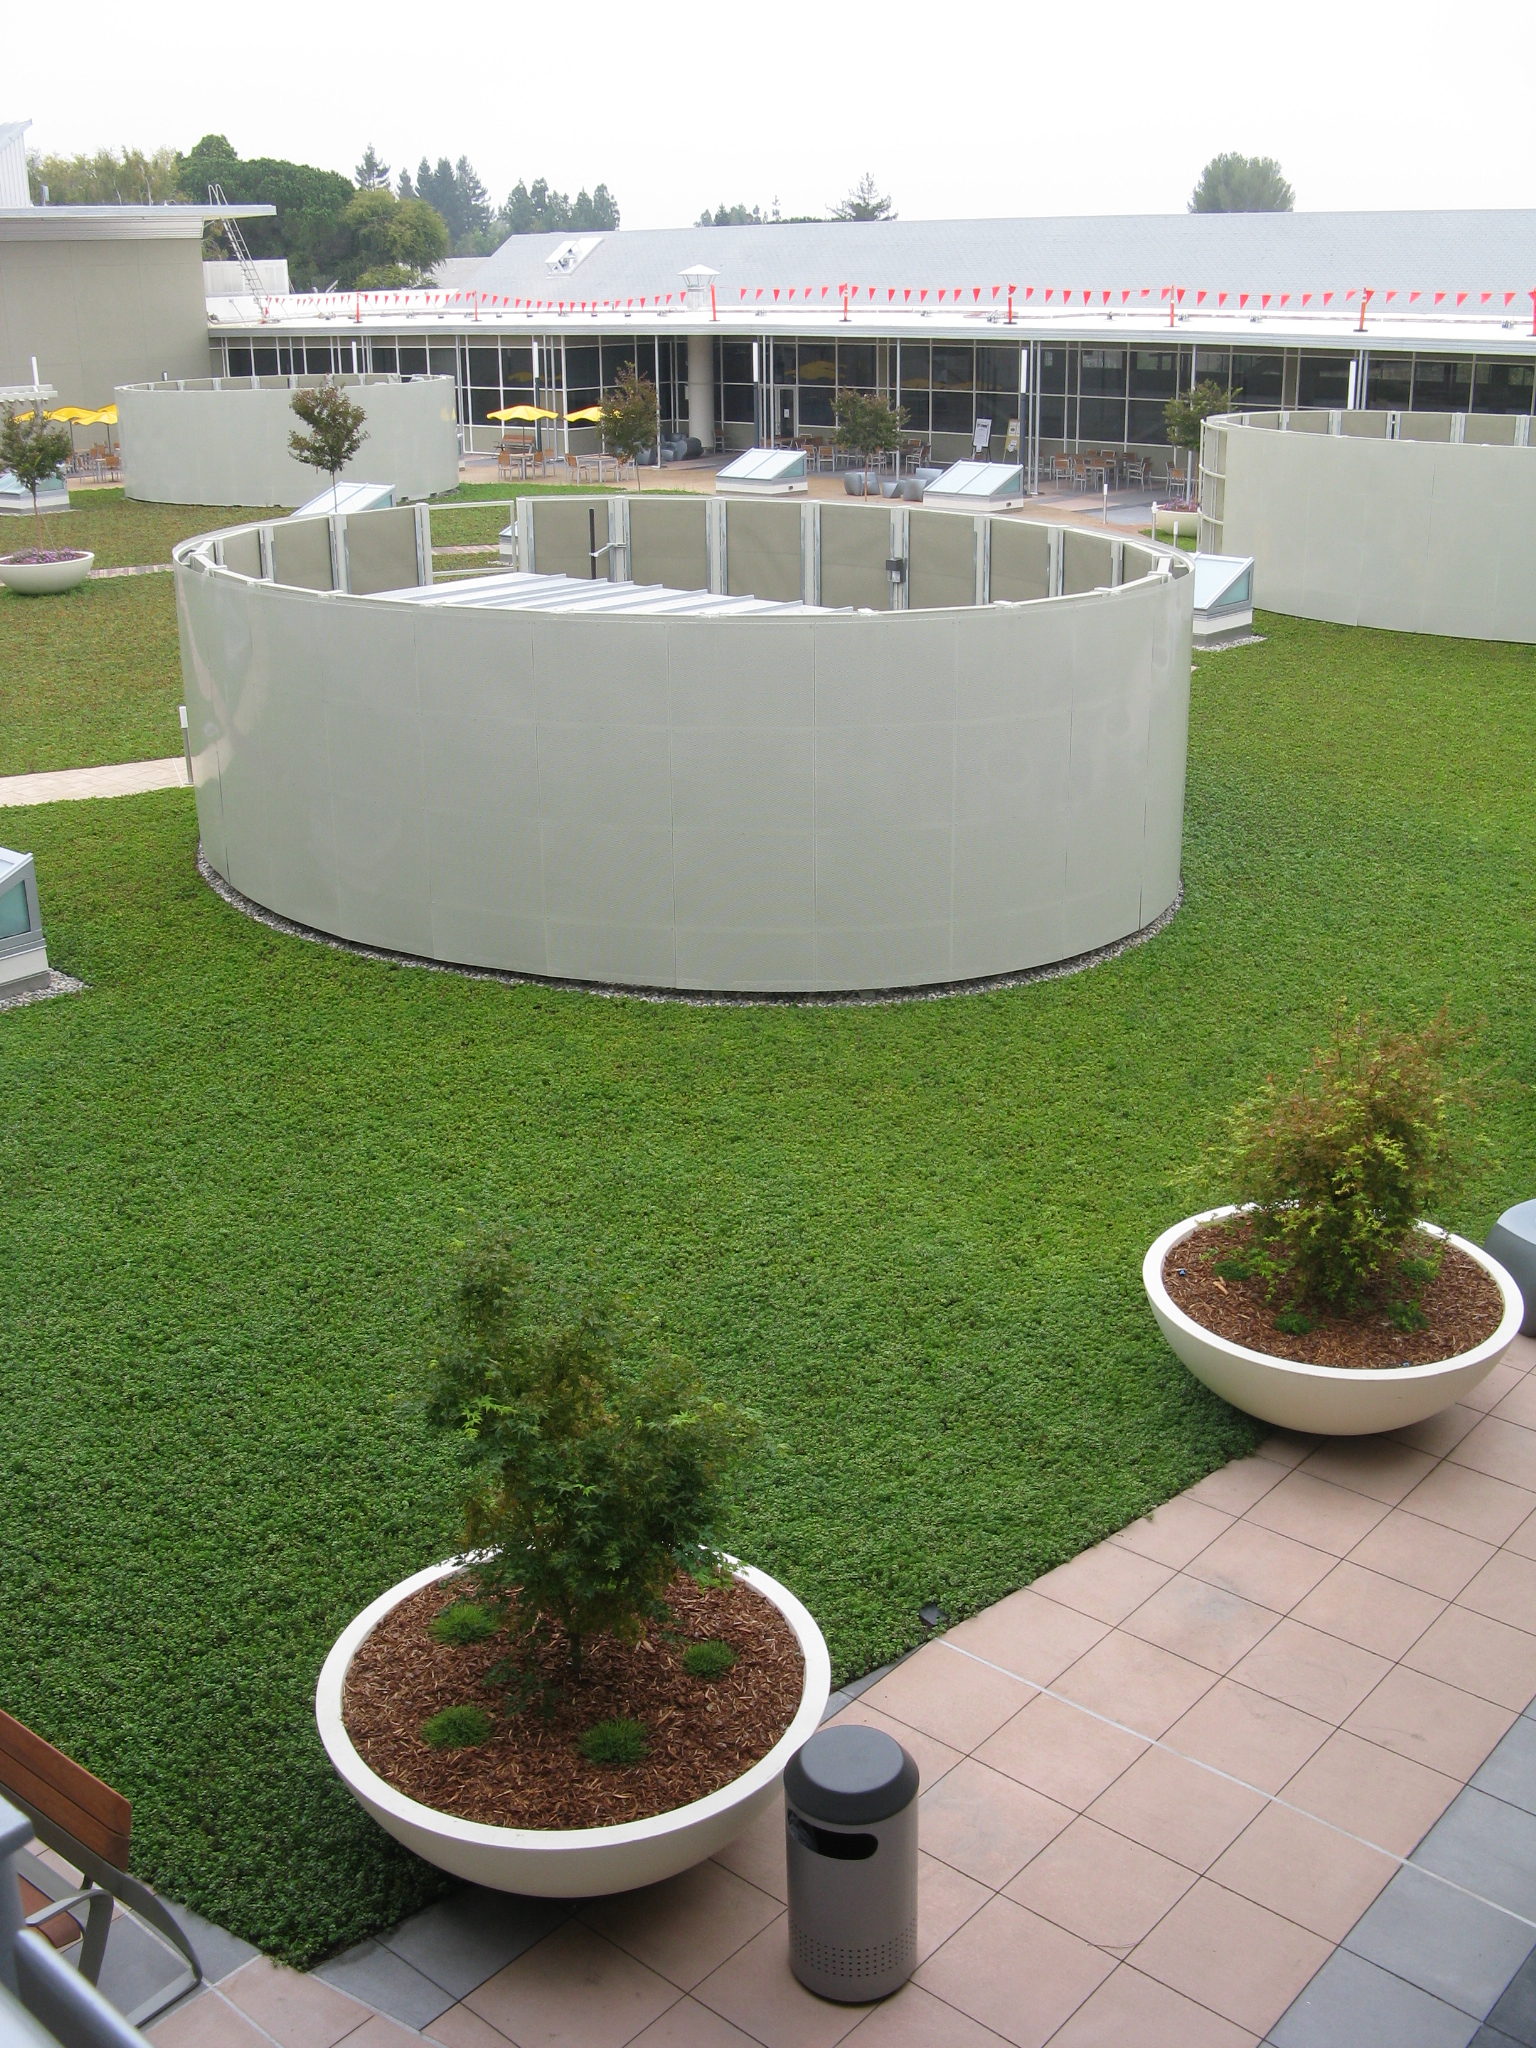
(67, 785)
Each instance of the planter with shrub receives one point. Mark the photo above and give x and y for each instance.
(592, 1697)
(1323, 1299)
(34, 449)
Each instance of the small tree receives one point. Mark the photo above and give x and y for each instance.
(1184, 417)
(867, 424)
(594, 1475)
(336, 431)
(35, 449)
(631, 416)
(1242, 184)
(865, 202)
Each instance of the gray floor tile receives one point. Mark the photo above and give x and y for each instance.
(1514, 2016)
(1510, 1773)
(387, 1982)
(1352, 2004)
(1490, 2037)
(855, 1686)
(136, 1966)
(219, 1951)
(473, 1933)
(1443, 1941)
(835, 1704)
(1488, 1846)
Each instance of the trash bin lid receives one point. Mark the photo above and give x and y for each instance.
(850, 1776)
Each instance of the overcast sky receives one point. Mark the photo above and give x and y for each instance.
(984, 109)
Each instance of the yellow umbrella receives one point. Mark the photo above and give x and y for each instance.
(73, 415)
(107, 417)
(523, 412)
(588, 412)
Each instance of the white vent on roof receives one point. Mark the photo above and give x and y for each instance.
(14, 189)
(562, 261)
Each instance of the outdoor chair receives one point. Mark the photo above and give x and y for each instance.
(87, 1824)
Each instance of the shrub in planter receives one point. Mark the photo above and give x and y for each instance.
(594, 1467)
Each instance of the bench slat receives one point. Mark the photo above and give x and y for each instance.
(65, 1791)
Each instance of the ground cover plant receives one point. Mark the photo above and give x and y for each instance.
(236, 1172)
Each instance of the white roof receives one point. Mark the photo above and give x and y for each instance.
(979, 483)
(14, 189)
(518, 591)
(346, 497)
(764, 466)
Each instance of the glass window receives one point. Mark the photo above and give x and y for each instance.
(954, 367)
(441, 360)
(736, 362)
(1258, 379)
(1100, 419)
(384, 356)
(1502, 387)
(481, 405)
(1323, 380)
(738, 403)
(783, 362)
(239, 362)
(1389, 383)
(317, 358)
(856, 365)
(413, 361)
(265, 361)
(816, 406)
(1147, 425)
(1441, 385)
(916, 368)
(1154, 373)
(954, 412)
(1103, 372)
(1053, 369)
(997, 369)
(582, 368)
(818, 364)
(1053, 418)
(484, 367)
(517, 366)
(1213, 366)
(13, 912)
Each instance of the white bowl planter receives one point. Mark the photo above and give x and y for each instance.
(45, 579)
(1325, 1400)
(569, 1863)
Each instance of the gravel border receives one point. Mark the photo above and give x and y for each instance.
(697, 998)
(58, 985)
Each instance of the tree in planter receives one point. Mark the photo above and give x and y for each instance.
(867, 424)
(1340, 1168)
(1184, 417)
(336, 431)
(631, 416)
(594, 1474)
(35, 449)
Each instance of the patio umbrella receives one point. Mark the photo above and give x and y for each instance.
(523, 412)
(588, 412)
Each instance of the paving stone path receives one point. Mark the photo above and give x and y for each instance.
(66, 785)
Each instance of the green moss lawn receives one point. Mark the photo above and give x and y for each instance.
(233, 1172)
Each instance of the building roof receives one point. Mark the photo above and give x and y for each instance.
(14, 189)
(116, 223)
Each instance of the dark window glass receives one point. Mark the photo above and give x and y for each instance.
(736, 362)
(1053, 418)
(1147, 425)
(581, 367)
(1213, 366)
(856, 365)
(738, 402)
(915, 404)
(1502, 387)
(1258, 379)
(1389, 383)
(914, 367)
(1154, 372)
(266, 362)
(997, 369)
(413, 361)
(1440, 384)
(1100, 419)
(384, 357)
(1323, 381)
(954, 412)
(481, 405)
(517, 366)
(1103, 372)
(441, 360)
(1053, 369)
(617, 355)
(317, 358)
(815, 406)
(818, 364)
(783, 362)
(240, 362)
(483, 367)
(954, 368)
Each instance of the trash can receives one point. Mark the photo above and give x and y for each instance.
(850, 1799)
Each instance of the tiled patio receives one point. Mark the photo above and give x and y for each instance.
(1168, 1794)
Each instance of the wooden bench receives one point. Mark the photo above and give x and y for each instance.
(88, 1824)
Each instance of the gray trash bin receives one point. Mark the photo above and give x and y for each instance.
(1512, 1241)
(850, 1798)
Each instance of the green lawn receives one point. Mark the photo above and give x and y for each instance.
(233, 1172)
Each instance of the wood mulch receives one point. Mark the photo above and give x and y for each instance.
(529, 1773)
(1462, 1302)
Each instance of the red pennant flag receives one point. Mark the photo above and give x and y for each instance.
(1306, 298)
(775, 292)
(1438, 297)
(791, 292)
(1390, 297)
(1347, 297)
(1221, 298)
(907, 293)
(1486, 296)
(1285, 298)
(1265, 299)
(975, 293)
(1326, 297)
(922, 295)
(941, 295)
(1048, 290)
(1509, 298)
(1105, 297)
(1029, 290)
(1242, 300)
(1124, 297)
(996, 289)
(1461, 298)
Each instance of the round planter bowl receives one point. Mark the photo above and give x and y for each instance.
(569, 1863)
(1325, 1400)
(45, 579)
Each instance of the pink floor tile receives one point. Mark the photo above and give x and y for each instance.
(1473, 1502)
(573, 1986)
(1313, 1511)
(1130, 2010)
(1286, 1448)
(1502, 1448)
(458, 2027)
(946, 1899)
(1100, 1886)
(1365, 1608)
(690, 2025)
(1226, 1953)
(1371, 1792)
(932, 1758)
(1309, 1669)
(758, 1992)
(1432, 1722)
(1177, 1808)
(1523, 1542)
(382, 2032)
(1250, 1736)
(914, 2018)
(1480, 1656)
(1504, 1589)
(1373, 1465)
(1015, 1973)
(1260, 1565)
(1060, 1750)
(688, 1925)
(297, 2011)
(1107, 1582)
(1440, 1433)
(757, 1854)
(1422, 1553)
(1134, 1684)
(1500, 1383)
(1303, 1870)
(958, 1700)
(1235, 1487)
(1519, 1404)
(1175, 1532)
(208, 2022)
(1034, 1637)
(1201, 1622)
(986, 1825)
